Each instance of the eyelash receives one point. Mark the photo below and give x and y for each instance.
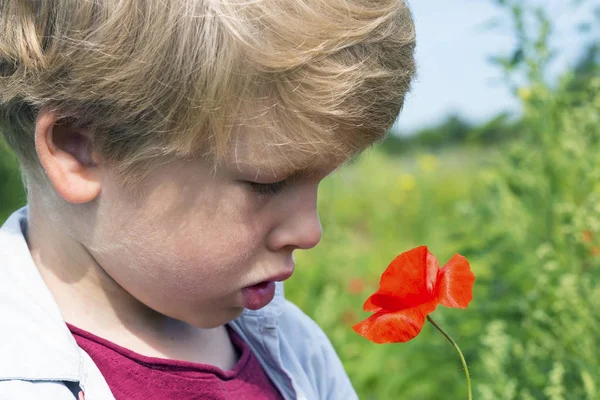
(268, 189)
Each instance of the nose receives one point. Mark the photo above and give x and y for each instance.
(300, 227)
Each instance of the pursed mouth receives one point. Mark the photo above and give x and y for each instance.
(280, 277)
(260, 285)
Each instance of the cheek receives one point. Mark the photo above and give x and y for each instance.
(210, 249)
(208, 239)
(185, 247)
(197, 253)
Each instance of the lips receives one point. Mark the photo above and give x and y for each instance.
(260, 285)
(259, 295)
(280, 277)
(262, 293)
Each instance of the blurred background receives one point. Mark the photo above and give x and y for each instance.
(496, 156)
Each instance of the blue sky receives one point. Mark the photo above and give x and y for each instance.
(452, 52)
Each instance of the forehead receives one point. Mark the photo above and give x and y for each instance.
(283, 161)
(253, 153)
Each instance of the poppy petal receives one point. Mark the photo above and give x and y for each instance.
(410, 277)
(369, 306)
(393, 327)
(455, 283)
(387, 302)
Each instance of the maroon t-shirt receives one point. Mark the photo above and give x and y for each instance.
(132, 376)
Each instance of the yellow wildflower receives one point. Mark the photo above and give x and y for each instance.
(428, 163)
(407, 182)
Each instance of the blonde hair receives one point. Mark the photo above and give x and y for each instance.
(158, 78)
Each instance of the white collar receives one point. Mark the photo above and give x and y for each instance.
(32, 330)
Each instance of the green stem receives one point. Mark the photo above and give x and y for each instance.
(462, 358)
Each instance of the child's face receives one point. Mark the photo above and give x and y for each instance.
(198, 238)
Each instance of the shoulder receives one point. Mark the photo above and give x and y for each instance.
(47, 390)
(314, 351)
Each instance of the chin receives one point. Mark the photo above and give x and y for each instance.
(216, 320)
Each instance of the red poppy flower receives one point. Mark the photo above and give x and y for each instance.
(411, 287)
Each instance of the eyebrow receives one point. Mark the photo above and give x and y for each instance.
(285, 170)
(309, 171)
(293, 173)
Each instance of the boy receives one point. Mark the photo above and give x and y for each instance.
(172, 152)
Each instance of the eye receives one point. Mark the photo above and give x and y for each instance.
(268, 189)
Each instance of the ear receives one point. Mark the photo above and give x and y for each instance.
(66, 154)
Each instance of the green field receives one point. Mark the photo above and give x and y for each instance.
(525, 214)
